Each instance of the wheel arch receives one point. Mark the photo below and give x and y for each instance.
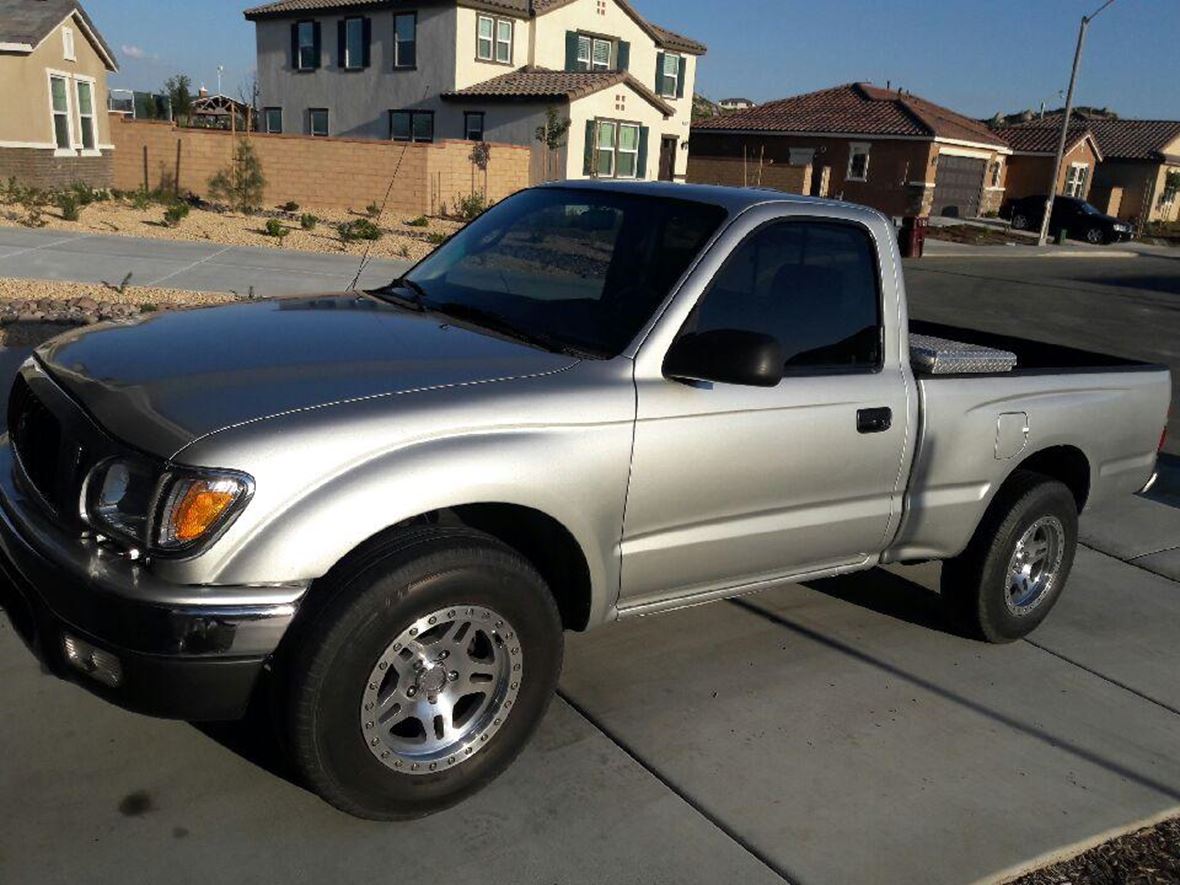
(1065, 463)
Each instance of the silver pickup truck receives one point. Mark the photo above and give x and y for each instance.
(378, 511)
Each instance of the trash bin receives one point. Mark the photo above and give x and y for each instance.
(912, 236)
(1061, 237)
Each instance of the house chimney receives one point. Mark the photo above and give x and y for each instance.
(888, 85)
(202, 92)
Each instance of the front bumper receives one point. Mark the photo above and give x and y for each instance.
(184, 652)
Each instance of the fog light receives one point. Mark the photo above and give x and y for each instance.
(99, 665)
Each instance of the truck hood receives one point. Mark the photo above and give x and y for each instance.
(175, 376)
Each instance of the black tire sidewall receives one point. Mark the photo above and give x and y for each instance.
(1046, 499)
(326, 697)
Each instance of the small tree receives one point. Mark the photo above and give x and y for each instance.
(180, 93)
(242, 184)
(552, 136)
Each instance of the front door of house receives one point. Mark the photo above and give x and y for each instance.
(667, 158)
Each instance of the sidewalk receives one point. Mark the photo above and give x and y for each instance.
(948, 249)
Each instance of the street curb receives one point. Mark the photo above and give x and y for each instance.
(1017, 252)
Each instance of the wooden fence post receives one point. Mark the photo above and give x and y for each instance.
(146, 185)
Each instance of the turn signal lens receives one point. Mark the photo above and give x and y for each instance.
(197, 506)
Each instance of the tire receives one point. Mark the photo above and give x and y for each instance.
(978, 587)
(1019, 221)
(1096, 236)
(344, 660)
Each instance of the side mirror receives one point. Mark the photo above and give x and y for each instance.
(727, 356)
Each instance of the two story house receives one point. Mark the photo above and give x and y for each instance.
(54, 63)
(484, 70)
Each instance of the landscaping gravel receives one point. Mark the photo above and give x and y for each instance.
(1150, 856)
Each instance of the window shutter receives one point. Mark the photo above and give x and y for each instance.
(367, 55)
(341, 47)
(571, 50)
(659, 73)
(319, 46)
(624, 63)
(295, 46)
(641, 160)
(680, 80)
(588, 167)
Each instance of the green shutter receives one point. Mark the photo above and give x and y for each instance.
(588, 166)
(624, 60)
(659, 73)
(680, 80)
(641, 170)
(571, 50)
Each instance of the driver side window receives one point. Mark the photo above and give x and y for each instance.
(812, 285)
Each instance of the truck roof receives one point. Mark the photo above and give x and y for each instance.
(733, 199)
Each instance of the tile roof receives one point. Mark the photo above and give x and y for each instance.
(856, 109)
(1124, 139)
(30, 21)
(539, 84)
(662, 36)
(1042, 139)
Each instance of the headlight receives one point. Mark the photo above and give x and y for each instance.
(166, 511)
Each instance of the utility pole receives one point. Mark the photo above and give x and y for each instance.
(1073, 77)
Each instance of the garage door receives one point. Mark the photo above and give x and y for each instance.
(957, 186)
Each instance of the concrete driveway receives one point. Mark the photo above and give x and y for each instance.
(824, 733)
(209, 267)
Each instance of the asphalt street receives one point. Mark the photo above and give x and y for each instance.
(831, 732)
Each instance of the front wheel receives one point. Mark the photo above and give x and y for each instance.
(1016, 566)
(424, 675)
(1096, 236)
(1019, 221)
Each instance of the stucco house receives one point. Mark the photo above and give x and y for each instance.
(884, 148)
(485, 70)
(54, 64)
(1034, 150)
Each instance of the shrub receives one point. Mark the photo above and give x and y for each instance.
(35, 216)
(308, 221)
(242, 184)
(403, 250)
(275, 228)
(420, 221)
(86, 194)
(175, 213)
(437, 238)
(372, 210)
(69, 204)
(141, 199)
(471, 206)
(290, 206)
(361, 229)
(148, 307)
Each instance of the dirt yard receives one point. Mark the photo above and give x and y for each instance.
(128, 216)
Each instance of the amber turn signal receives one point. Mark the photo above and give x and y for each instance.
(197, 506)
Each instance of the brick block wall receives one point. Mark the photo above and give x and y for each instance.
(337, 173)
(737, 173)
(40, 168)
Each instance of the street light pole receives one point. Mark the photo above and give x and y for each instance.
(1073, 77)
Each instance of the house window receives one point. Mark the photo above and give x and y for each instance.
(317, 121)
(67, 44)
(617, 149)
(307, 58)
(1075, 180)
(86, 115)
(273, 120)
(61, 113)
(997, 173)
(411, 125)
(354, 44)
(494, 39)
(595, 53)
(858, 162)
(671, 79)
(473, 125)
(405, 40)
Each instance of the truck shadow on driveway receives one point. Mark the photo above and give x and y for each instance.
(891, 595)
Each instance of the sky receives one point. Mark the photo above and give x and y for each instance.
(975, 56)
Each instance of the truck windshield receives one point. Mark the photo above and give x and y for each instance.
(583, 269)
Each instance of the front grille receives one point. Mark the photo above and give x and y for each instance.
(36, 438)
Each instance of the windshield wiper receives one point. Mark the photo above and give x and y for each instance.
(496, 323)
(417, 302)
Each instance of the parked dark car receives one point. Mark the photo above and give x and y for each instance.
(1079, 219)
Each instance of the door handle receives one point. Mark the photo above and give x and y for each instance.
(874, 420)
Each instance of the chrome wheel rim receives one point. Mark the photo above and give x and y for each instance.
(441, 689)
(1035, 565)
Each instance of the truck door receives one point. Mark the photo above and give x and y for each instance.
(733, 485)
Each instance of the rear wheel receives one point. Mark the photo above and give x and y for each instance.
(1016, 566)
(424, 675)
